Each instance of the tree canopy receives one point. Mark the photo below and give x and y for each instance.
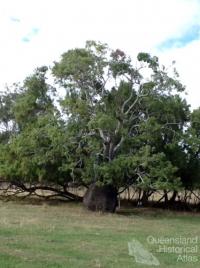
(119, 123)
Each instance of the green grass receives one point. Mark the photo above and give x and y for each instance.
(67, 235)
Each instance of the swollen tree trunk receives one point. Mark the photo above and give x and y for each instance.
(101, 198)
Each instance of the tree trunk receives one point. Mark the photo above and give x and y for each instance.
(101, 198)
(166, 198)
(173, 198)
(144, 198)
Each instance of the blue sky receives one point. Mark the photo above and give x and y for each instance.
(191, 34)
(35, 32)
(31, 34)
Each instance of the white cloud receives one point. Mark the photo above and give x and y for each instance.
(188, 65)
(132, 25)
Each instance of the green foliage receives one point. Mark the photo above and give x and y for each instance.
(152, 61)
(36, 153)
(7, 123)
(115, 126)
(191, 172)
(125, 116)
(33, 99)
(74, 64)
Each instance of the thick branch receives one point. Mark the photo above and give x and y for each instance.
(126, 101)
(33, 189)
(119, 144)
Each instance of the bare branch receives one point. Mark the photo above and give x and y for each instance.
(127, 101)
(119, 144)
(117, 127)
(102, 134)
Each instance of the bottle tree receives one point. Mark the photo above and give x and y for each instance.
(123, 122)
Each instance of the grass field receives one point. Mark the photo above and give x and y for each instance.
(66, 235)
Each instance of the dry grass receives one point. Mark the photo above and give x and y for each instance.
(67, 235)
